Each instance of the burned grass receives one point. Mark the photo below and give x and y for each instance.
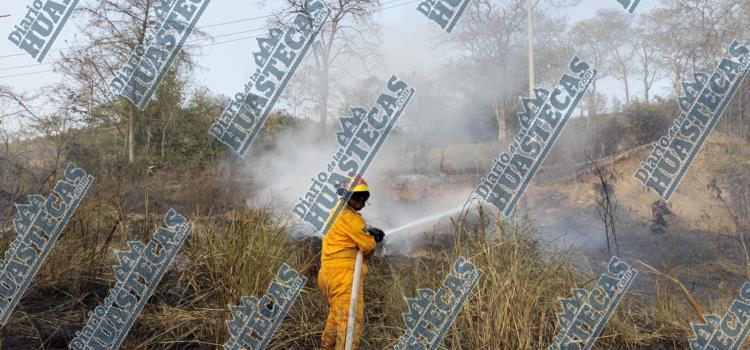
(238, 252)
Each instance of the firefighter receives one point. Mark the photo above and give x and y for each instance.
(347, 234)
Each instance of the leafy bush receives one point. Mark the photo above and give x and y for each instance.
(648, 122)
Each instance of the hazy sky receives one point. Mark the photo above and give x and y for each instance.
(226, 64)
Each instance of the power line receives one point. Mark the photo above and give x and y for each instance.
(26, 66)
(225, 41)
(399, 5)
(189, 46)
(235, 21)
(210, 26)
(24, 74)
(81, 48)
(189, 41)
(267, 16)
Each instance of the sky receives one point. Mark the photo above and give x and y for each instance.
(226, 64)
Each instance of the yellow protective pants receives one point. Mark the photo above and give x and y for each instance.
(336, 285)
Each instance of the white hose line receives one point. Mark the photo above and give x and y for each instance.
(353, 301)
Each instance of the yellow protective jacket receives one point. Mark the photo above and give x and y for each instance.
(346, 235)
(344, 238)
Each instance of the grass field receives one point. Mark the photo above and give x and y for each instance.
(238, 252)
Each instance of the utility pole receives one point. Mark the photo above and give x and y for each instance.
(531, 47)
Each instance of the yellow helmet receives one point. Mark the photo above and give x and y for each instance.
(360, 185)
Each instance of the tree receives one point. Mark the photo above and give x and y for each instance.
(674, 43)
(589, 44)
(606, 202)
(617, 32)
(346, 37)
(490, 36)
(112, 30)
(490, 44)
(47, 127)
(163, 115)
(692, 34)
(13, 107)
(649, 66)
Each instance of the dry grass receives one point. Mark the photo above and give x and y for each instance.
(237, 253)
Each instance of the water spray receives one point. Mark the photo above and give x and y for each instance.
(425, 220)
(422, 221)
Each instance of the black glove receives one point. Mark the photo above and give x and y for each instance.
(376, 233)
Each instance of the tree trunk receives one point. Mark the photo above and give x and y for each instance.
(58, 147)
(323, 105)
(163, 138)
(677, 85)
(646, 85)
(7, 157)
(148, 141)
(646, 73)
(502, 120)
(741, 126)
(592, 103)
